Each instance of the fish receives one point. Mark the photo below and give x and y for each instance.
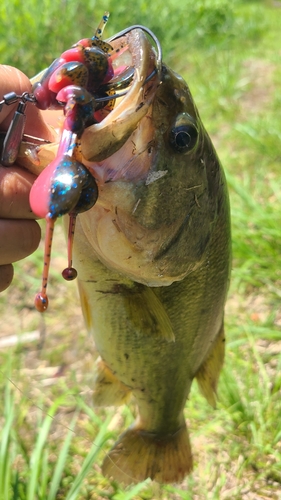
(153, 257)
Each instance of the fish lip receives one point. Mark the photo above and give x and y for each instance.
(101, 140)
(158, 67)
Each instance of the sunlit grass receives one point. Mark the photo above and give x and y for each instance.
(51, 440)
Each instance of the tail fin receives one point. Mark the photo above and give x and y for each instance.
(138, 455)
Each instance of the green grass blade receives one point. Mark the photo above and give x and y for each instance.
(4, 451)
(57, 475)
(101, 438)
(44, 475)
(5, 436)
(35, 460)
(184, 495)
(129, 495)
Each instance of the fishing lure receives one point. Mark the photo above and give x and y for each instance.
(83, 82)
(77, 82)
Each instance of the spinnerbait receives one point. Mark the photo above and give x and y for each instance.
(84, 84)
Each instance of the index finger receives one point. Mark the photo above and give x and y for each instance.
(15, 184)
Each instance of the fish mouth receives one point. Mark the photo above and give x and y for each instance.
(136, 54)
(137, 65)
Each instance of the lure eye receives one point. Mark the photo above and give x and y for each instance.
(184, 134)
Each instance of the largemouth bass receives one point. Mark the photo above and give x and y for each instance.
(153, 262)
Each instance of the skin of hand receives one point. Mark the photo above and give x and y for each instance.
(19, 231)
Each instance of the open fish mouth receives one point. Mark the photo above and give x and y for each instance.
(121, 103)
(79, 168)
(137, 74)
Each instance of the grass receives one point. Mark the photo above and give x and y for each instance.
(51, 441)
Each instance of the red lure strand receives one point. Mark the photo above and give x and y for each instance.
(69, 273)
(41, 299)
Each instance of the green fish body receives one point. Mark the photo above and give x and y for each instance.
(153, 260)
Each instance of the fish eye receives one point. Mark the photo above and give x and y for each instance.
(184, 134)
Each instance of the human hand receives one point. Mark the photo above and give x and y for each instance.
(19, 232)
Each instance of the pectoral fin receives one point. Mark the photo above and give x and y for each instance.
(137, 307)
(148, 314)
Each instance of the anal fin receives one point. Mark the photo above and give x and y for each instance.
(108, 390)
(209, 372)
